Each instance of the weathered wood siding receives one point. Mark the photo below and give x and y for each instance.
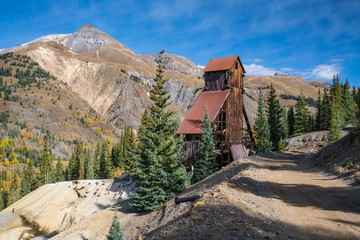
(215, 81)
(235, 105)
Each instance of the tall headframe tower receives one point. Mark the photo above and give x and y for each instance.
(223, 97)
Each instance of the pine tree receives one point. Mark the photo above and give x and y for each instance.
(45, 164)
(319, 112)
(302, 121)
(28, 183)
(122, 154)
(275, 115)
(59, 171)
(348, 104)
(5, 198)
(262, 128)
(206, 161)
(357, 98)
(325, 114)
(130, 152)
(291, 120)
(105, 167)
(337, 100)
(335, 124)
(116, 232)
(76, 164)
(158, 167)
(14, 190)
(285, 124)
(97, 160)
(89, 167)
(282, 145)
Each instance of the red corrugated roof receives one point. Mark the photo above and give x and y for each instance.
(213, 101)
(221, 64)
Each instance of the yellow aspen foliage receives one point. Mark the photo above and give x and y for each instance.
(40, 143)
(6, 163)
(99, 130)
(13, 158)
(9, 175)
(22, 133)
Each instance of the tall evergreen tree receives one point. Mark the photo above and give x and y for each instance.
(285, 124)
(262, 128)
(325, 114)
(130, 152)
(105, 168)
(5, 198)
(28, 183)
(303, 118)
(89, 167)
(76, 164)
(59, 171)
(337, 100)
(14, 190)
(123, 153)
(45, 164)
(348, 104)
(116, 232)
(357, 98)
(275, 115)
(319, 112)
(97, 160)
(335, 124)
(291, 120)
(206, 161)
(158, 166)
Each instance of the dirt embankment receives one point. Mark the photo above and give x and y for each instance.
(342, 157)
(267, 196)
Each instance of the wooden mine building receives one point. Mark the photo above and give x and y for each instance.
(223, 97)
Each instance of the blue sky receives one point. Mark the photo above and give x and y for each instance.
(310, 38)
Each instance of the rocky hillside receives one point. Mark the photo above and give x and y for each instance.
(175, 63)
(111, 78)
(34, 104)
(342, 157)
(115, 81)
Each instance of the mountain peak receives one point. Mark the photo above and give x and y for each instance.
(89, 28)
(88, 40)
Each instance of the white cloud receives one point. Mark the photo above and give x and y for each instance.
(259, 70)
(285, 69)
(325, 71)
(257, 60)
(200, 66)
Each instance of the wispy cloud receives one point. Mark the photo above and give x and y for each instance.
(325, 71)
(288, 70)
(257, 60)
(259, 70)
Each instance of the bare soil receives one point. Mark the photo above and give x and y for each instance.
(269, 196)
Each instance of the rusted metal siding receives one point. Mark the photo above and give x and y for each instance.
(213, 101)
(215, 81)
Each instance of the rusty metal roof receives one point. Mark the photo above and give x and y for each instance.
(220, 64)
(213, 101)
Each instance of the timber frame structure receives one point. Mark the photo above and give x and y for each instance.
(223, 98)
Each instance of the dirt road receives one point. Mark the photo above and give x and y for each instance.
(306, 201)
(269, 196)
